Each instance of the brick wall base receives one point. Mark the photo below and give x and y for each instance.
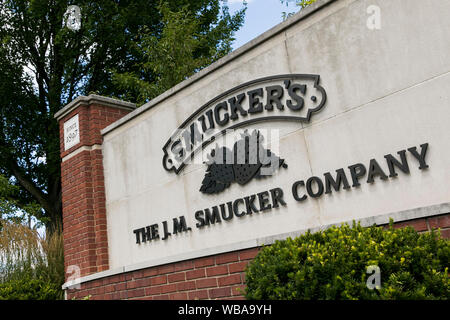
(220, 276)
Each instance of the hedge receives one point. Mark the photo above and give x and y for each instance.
(30, 289)
(333, 264)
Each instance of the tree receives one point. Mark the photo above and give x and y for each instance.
(31, 265)
(11, 209)
(44, 65)
(298, 3)
(183, 47)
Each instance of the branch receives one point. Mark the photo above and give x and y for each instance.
(30, 186)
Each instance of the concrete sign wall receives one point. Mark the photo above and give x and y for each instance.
(377, 146)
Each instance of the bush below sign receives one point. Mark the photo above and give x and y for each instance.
(334, 264)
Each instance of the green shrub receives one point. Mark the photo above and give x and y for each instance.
(332, 264)
(30, 289)
(30, 262)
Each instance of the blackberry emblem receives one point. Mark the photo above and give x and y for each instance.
(247, 160)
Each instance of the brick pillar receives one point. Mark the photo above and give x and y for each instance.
(82, 179)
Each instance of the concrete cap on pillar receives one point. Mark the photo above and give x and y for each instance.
(94, 99)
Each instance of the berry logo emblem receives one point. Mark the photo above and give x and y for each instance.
(247, 160)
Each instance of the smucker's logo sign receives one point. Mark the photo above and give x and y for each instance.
(284, 97)
(291, 97)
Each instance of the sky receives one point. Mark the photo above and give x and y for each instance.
(261, 15)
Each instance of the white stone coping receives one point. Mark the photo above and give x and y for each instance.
(91, 99)
(399, 216)
(319, 4)
(81, 149)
